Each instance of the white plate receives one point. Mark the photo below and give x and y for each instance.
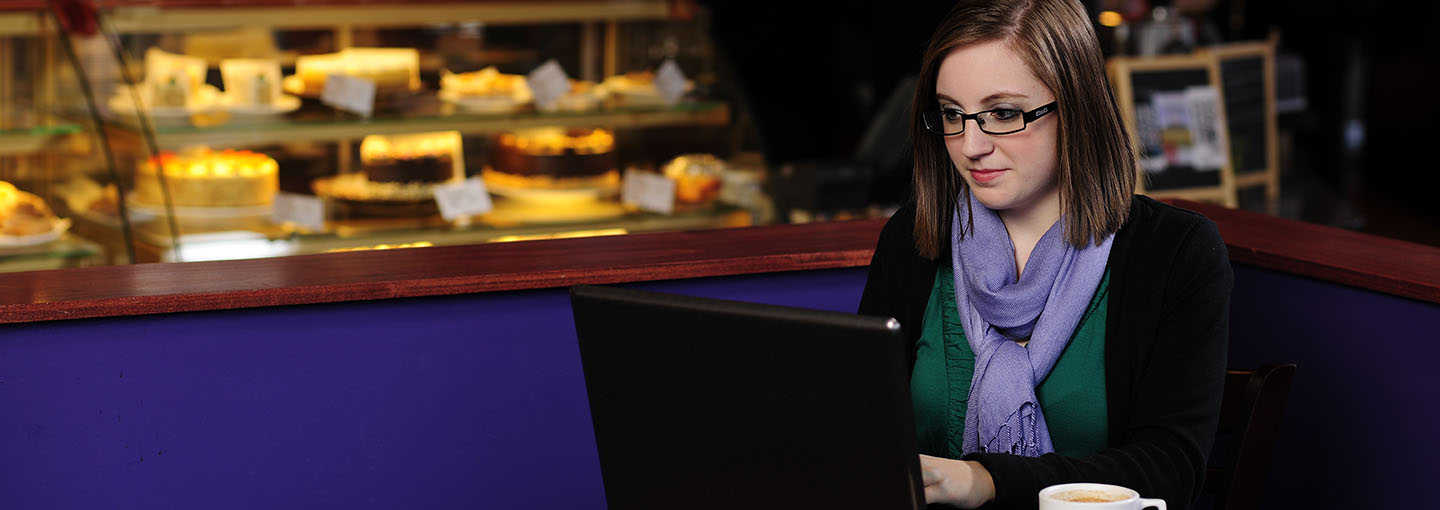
(123, 104)
(546, 195)
(155, 210)
(519, 212)
(482, 104)
(57, 228)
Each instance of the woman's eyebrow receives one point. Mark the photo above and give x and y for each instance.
(1004, 94)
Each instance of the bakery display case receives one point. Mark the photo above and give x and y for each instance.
(38, 150)
(212, 130)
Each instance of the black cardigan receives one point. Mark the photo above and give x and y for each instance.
(1165, 343)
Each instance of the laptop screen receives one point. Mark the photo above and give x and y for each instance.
(703, 403)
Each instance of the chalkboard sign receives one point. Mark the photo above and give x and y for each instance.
(1247, 74)
(1174, 107)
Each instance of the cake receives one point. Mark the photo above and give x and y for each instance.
(391, 69)
(696, 176)
(205, 178)
(638, 88)
(583, 96)
(23, 213)
(420, 158)
(554, 158)
(486, 90)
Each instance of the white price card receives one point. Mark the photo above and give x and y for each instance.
(462, 199)
(349, 93)
(303, 210)
(670, 82)
(548, 83)
(651, 192)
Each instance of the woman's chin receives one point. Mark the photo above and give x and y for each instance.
(993, 199)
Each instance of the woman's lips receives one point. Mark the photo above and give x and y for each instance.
(983, 175)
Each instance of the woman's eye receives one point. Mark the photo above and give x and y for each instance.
(1005, 114)
(951, 113)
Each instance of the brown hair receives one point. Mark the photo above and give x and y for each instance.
(1097, 160)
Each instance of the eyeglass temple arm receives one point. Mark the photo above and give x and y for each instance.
(1031, 115)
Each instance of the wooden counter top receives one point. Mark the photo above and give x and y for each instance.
(1361, 260)
(1390, 266)
(382, 274)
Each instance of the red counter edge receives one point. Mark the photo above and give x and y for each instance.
(1360, 260)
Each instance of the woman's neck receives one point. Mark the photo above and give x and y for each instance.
(1028, 224)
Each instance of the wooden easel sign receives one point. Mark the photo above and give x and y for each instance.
(1247, 75)
(1174, 106)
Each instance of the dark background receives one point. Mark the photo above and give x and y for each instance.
(814, 77)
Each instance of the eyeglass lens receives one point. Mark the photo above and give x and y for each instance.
(951, 121)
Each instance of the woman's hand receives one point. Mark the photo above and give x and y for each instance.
(962, 483)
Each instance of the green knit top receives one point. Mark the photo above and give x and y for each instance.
(1072, 396)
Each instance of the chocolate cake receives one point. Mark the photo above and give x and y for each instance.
(551, 157)
(421, 168)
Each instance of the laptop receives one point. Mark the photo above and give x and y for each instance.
(704, 403)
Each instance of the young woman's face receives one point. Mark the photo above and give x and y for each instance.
(1014, 172)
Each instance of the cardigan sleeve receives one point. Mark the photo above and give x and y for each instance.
(1160, 450)
(878, 296)
(898, 282)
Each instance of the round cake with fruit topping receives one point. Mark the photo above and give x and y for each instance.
(206, 178)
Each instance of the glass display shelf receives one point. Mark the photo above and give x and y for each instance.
(257, 236)
(37, 139)
(66, 251)
(427, 113)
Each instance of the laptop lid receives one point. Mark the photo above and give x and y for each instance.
(704, 403)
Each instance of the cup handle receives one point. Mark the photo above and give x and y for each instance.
(1152, 503)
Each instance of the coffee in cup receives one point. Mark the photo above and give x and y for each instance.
(1094, 496)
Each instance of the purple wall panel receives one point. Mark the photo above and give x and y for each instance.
(463, 402)
(1361, 418)
(478, 401)
(474, 401)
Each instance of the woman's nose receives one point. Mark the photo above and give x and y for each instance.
(975, 143)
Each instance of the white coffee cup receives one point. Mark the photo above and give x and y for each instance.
(1094, 496)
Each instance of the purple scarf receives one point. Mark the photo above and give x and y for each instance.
(1045, 305)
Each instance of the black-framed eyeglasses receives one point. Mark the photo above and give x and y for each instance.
(999, 121)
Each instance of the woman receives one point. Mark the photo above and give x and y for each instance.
(1065, 329)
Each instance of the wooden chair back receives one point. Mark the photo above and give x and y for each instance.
(1250, 415)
